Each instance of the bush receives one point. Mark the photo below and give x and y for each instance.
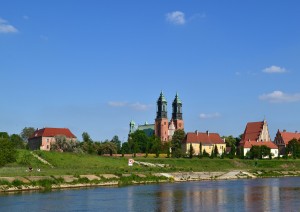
(8, 152)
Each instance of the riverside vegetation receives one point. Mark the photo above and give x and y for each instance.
(78, 166)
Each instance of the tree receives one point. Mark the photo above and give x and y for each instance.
(176, 143)
(27, 133)
(138, 142)
(205, 154)
(156, 145)
(293, 148)
(8, 152)
(86, 137)
(107, 148)
(4, 135)
(125, 149)
(230, 140)
(17, 141)
(265, 151)
(191, 151)
(216, 151)
(63, 144)
(200, 150)
(117, 142)
(255, 152)
(232, 152)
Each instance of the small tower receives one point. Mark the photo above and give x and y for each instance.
(131, 127)
(161, 121)
(177, 113)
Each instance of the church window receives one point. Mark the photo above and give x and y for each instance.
(165, 123)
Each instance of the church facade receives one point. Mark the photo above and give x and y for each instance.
(163, 127)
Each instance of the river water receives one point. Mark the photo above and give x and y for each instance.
(272, 194)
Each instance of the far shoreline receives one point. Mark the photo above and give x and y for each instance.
(158, 178)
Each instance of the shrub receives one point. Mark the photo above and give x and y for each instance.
(7, 151)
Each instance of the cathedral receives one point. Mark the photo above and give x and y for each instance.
(163, 128)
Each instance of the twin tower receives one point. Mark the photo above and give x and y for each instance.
(164, 128)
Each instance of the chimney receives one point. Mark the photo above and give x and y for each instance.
(207, 132)
(296, 131)
(224, 140)
(284, 130)
(196, 132)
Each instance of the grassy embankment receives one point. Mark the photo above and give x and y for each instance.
(77, 165)
(80, 164)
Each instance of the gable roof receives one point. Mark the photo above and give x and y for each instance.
(287, 136)
(204, 138)
(252, 131)
(52, 132)
(249, 144)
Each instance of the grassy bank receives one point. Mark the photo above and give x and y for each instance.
(80, 164)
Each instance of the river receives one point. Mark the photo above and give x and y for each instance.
(270, 194)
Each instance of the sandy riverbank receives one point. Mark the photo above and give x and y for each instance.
(69, 182)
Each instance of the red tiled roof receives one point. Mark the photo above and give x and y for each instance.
(249, 144)
(52, 132)
(287, 136)
(252, 131)
(204, 138)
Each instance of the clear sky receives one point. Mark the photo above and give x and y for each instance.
(92, 65)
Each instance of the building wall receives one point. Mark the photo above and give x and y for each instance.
(280, 143)
(179, 124)
(264, 135)
(208, 148)
(43, 143)
(35, 143)
(162, 129)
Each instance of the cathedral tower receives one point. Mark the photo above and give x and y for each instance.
(177, 113)
(161, 121)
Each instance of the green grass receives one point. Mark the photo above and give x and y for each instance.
(79, 164)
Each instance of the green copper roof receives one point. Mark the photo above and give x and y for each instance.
(162, 97)
(132, 122)
(177, 99)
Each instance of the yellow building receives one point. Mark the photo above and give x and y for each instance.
(207, 140)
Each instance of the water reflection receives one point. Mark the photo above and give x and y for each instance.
(280, 194)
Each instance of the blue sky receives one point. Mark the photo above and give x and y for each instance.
(95, 65)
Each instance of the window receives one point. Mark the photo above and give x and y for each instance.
(47, 146)
(165, 123)
(47, 140)
(179, 124)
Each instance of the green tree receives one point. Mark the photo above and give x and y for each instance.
(265, 151)
(216, 151)
(138, 141)
(117, 142)
(293, 148)
(86, 137)
(125, 148)
(232, 152)
(27, 133)
(107, 148)
(200, 150)
(176, 143)
(255, 152)
(156, 145)
(4, 135)
(8, 152)
(191, 151)
(17, 141)
(230, 140)
(205, 154)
